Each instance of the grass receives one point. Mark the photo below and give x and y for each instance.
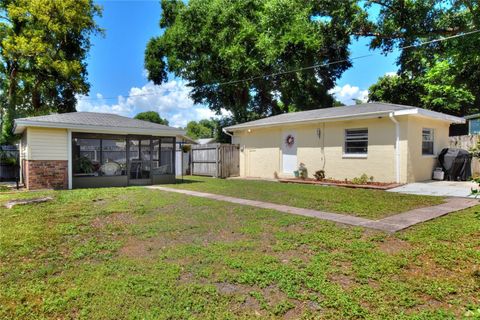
(132, 253)
(372, 204)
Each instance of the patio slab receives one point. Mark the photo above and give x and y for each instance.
(438, 188)
(389, 224)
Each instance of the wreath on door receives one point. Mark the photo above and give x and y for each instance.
(289, 140)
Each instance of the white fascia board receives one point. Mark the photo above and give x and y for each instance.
(413, 111)
(20, 125)
(430, 114)
(368, 115)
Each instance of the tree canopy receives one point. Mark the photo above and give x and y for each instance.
(151, 116)
(238, 55)
(44, 44)
(210, 43)
(441, 75)
(201, 129)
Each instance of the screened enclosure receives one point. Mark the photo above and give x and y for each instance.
(100, 160)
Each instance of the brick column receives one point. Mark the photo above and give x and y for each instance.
(46, 174)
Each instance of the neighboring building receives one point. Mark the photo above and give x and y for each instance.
(470, 127)
(392, 143)
(205, 141)
(86, 149)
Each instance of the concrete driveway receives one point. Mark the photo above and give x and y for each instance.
(438, 188)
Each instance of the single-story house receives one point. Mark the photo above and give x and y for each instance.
(87, 149)
(389, 142)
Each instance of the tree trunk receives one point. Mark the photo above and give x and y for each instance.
(10, 110)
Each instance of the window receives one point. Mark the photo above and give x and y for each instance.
(114, 157)
(356, 141)
(99, 157)
(427, 142)
(473, 126)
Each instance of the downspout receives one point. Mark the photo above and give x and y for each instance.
(397, 146)
(69, 159)
(227, 133)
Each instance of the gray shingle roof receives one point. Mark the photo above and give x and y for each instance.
(359, 110)
(97, 119)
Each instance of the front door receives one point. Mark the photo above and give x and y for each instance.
(140, 161)
(289, 152)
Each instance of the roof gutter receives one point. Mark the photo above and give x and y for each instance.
(20, 125)
(224, 130)
(328, 119)
(412, 111)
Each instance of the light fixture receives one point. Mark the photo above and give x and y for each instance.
(249, 130)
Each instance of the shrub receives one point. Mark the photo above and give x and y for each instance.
(319, 175)
(363, 179)
(302, 171)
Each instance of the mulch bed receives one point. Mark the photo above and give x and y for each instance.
(339, 183)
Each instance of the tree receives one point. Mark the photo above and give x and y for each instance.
(151, 116)
(202, 129)
(446, 72)
(44, 44)
(214, 43)
(435, 90)
(396, 89)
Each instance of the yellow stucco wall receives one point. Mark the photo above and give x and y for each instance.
(420, 167)
(261, 149)
(46, 144)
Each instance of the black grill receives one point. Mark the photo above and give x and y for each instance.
(456, 163)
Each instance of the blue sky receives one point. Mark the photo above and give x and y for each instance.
(115, 67)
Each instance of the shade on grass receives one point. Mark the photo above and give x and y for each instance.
(133, 253)
(373, 204)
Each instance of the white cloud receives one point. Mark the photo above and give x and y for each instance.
(347, 94)
(170, 100)
(390, 74)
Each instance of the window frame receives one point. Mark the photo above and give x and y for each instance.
(432, 141)
(346, 140)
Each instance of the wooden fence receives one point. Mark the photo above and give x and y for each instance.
(467, 142)
(216, 160)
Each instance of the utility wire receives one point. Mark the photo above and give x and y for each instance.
(298, 69)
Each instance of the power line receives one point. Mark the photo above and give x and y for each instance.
(299, 69)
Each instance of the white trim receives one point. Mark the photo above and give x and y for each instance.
(20, 125)
(355, 155)
(432, 130)
(367, 115)
(69, 157)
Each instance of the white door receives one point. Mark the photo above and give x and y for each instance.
(289, 152)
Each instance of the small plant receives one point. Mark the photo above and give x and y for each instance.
(302, 171)
(371, 178)
(319, 175)
(85, 165)
(186, 148)
(363, 179)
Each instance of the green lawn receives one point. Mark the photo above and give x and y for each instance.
(133, 253)
(373, 204)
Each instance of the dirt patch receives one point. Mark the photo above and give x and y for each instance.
(114, 219)
(392, 245)
(342, 275)
(142, 249)
(426, 267)
(229, 288)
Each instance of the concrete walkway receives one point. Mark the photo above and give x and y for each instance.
(389, 224)
(438, 188)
